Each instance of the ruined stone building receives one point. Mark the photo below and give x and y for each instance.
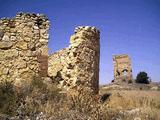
(23, 47)
(24, 53)
(122, 68)
(77, 66)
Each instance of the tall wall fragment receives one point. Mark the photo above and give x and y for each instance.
(23, 47)
(122, 68)
(77, 66)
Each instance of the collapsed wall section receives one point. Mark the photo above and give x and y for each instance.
(77, 66)
(23, 47)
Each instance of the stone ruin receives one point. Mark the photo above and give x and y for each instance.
(122, 68)
(23, 47)
(77, 66)
(24, 54)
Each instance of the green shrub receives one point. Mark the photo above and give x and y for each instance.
(142, 77)
(8, 98)
(158, 88)
(130, 81)
(42, 97)
(38, 83)
(50, 90)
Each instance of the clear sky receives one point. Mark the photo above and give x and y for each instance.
(127, 26)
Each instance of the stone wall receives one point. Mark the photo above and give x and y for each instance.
(23, 47)
(77, 66)
(122, 68)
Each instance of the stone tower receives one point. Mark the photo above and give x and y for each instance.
(122, 68)
(77, 66)
(23, 47)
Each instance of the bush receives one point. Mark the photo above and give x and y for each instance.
(105, 97)
(50, 90)
(142, 77)
(41, 98)
(8, 98)
(38, 83)
(87, 104)
(130, 81)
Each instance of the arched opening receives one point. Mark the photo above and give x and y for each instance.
(125, 72)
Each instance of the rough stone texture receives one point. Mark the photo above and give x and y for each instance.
(77, 66)
(23, 47)
(122, 68)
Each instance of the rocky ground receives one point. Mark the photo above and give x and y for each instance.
(130, 86)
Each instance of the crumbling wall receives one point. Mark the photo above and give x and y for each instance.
(23, 47)
(57, 61)
(122, 68)
(77, 66)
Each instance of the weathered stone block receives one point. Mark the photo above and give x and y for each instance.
(1, 34)
(5, 38)
(5, 45)
(22, 45)
(8, 54)
(20, 63)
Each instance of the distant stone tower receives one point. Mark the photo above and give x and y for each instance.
(77, 66)
(122, 68)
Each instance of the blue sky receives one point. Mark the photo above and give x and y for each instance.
(127, 26)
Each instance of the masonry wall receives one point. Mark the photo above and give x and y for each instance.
(77, 66)
(122, 68)
(23, 47)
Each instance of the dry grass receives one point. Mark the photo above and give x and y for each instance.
(127, 105)
(48, 100)
(87, 104)
(134, 98)
(45, 100)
